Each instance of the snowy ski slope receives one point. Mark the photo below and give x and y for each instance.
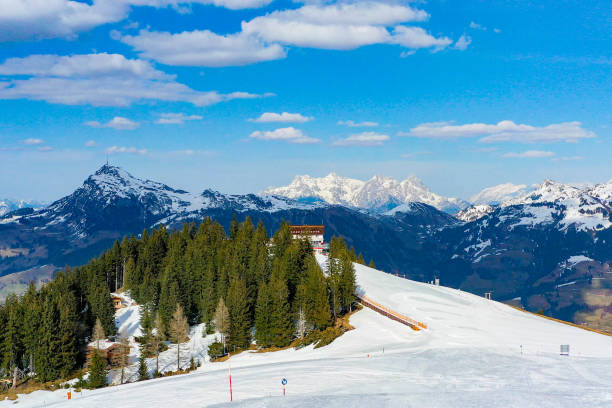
(470, 357)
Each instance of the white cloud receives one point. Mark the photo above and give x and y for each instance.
(37, 19)
(354, 13)
(416, 37)
(117, 123)
(463, 42)
(288, 134)
(91, 143)
(477, 26)
(203, 48)
(32, 141)
(530, 154)
(496, 30)
(344, 26)
(81, 66)
(504, 131)
(363, 139)
(176, 118)
(285, 117)
(302, 34)
(351, 123)
(339, 26)
(123, 149)
(568, 158)
(44, 149)
(99, 80)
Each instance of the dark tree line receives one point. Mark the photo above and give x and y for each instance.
(274, 286)
(44, 330)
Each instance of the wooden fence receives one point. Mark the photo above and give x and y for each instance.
(385, 311)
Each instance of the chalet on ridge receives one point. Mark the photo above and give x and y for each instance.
(315, 233)
(112, 351)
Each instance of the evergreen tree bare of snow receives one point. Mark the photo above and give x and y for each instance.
(178, 330)
(301, 324)
(97, 370)
(222, 320)
(143, 370)
(156, 339)
(123, 359)
(98, 333)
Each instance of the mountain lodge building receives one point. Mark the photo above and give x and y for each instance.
(315, 233)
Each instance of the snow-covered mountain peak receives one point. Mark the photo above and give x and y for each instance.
(548, 191)
(332, 189)
(497, 194)
(603, 192)
(475, 212)
(380, 193)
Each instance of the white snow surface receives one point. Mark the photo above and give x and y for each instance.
(476, 353)
(497, 194)
(378, 193)
(575, 260)
(474, 212)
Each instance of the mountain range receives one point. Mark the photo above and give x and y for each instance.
(379, 194)
(112, 203)
(8, 205)
(544, 247)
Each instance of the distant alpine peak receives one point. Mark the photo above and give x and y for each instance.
(497, 194)
(7, 205)
(550, 191)
(380, 193)
(475, 212)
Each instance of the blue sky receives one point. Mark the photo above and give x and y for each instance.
(464, 94)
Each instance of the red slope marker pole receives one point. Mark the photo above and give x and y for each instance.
(229, 364)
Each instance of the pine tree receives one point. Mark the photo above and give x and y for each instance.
(178, 330)
(31, 324)
(263, 316)
(143, 371)
(146, 323)
(123, 358)
(301, 324)
(352, 254)
(360, 259)
(46, 356)
(281, 325)
(67, 330)
(222, 320)
(12, 344)
(316, 303)
(156, 339)
(102, 307)
(240, 321)
(372, 264)
(97, 370)
(346, 283)
(98, 333)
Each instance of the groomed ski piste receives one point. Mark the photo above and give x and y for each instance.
(475, 353)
